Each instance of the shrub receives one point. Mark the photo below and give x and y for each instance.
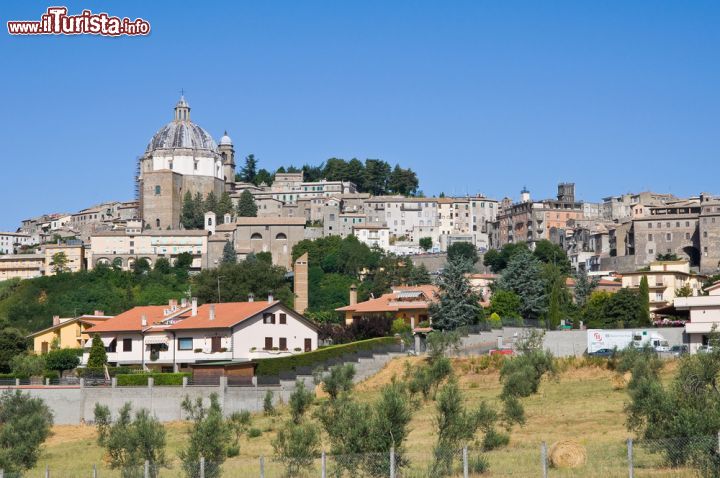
(98, 356)
(28, 365)
(273, 366)
(24, 425)
(254, 433)
(62, 359)
(141, 379)
(208, 438)
(300, 401)
(495, 321)
(478, 465)
(100, 372)
(232, 451)
(338, 380)
(268, 406)
(296, 446)
(400, 327)
(494, 439)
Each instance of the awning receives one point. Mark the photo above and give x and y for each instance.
(105, 340)
(156, 339)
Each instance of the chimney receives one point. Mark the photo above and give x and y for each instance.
(143, 321)
(270, 297)
(172, 303)
(194, 307)
(251, 297)
(56, 320)
(99, 312)
(353, 294)
(183, 302)
(212, 311)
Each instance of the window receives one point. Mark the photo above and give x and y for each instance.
(256, 236)
(283, 343)
(157, 223)
(280, 236)
(185, 343)
(269, 318)
(283, 318)
(704, 233)
(650, 251)
(668, 237)
(650, 225)
(650, 237)
(268, 343)
(687, 223)
(687, 235)
(308, 345)
(157, 190)
(127, 345)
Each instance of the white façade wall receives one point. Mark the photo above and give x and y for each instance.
(252, 332)
(185, 165)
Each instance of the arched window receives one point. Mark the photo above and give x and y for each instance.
(281, 236)
(256, 236)
(209, 221)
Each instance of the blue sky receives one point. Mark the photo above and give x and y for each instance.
(475, 96)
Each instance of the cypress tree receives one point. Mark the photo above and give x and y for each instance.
(644, 314)
(98, 356)
(224, 206)
(229, 256)
(198, 212)
(187, 217)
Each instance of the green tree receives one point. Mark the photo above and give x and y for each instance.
(25, 423)
(402, 181)
(300, 401)
(296, 446)
(458, 304)
(465, 250)
(584, 285)
(210, 204)
(239, 280)
(249, 170)
(229, 256)
(268, 407)
(198, 211)
(377, 174)
(141, 266)
(28, 365)
(98, 356)
(246, 205)
(505, 304)
(224, 206)
(59, 263)
(559, 298)
(162, 265)
(625, 308)
(670, 256)
(426, 243)
(264, 177)
(549, 253)
(208, 438)
(62, 359)
(12, 343)
(355, 172)
(188, 214)
(184, 261)
(523, 276)
(130, 442)
(644, 293)
(339, 380)
(684, 291)
(497, 261)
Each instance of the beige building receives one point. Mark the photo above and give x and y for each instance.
(664, 279)
(71, 332)
(123, 248)
(704, 315)
(11, 242)
(21, 266)
(276, 235)
(74, 256)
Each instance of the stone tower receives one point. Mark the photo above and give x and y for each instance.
(227, 153)
(301, 284)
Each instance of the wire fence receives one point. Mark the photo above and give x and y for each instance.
(661, 458)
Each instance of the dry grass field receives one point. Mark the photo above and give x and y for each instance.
(583, 403)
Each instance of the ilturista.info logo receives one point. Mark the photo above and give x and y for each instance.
(56, 21)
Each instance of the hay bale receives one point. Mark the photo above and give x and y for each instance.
(567, 454)
(619, 382)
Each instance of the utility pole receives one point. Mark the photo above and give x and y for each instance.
(218, 282)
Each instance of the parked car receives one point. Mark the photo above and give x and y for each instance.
(705, 349)
(678, 350)
(602, 353)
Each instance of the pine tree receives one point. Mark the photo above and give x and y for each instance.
(98, 356)
(224, 206)
(458, 304)
(249, 171)
(584, 286)
(644, 314)
(246, 205)
(229, 256)
(523, 276)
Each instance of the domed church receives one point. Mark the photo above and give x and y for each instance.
(181, 157)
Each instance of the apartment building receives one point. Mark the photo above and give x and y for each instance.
(11, 242)
(664, 279)
(374, 235)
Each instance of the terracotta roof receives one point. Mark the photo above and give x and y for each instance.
(570, 282)
(391, 303)
(483, 276)
(93, 320)
(270, 221)
(131, 320)
(713, 286)
(227, 315)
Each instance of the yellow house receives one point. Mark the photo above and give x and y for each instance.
(70, 332)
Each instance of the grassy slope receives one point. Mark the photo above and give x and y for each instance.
(581, 404)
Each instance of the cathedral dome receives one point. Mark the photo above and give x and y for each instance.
(182, 133)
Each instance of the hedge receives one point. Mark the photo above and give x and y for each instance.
(100, 372)
(141, 379)
(273, 366)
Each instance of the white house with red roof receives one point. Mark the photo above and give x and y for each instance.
(175, 336)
